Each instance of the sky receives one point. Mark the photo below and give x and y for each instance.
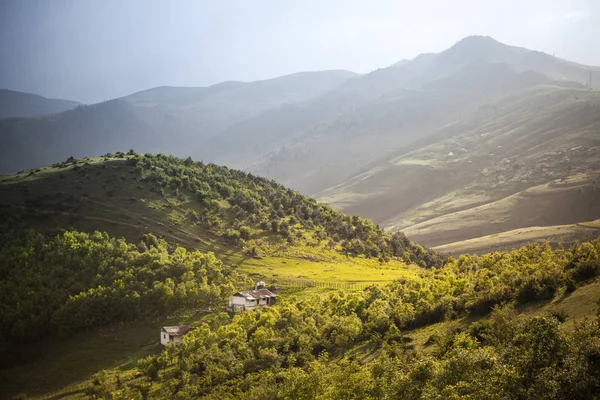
(92, 51)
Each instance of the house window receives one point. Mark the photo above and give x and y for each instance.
(164, 336)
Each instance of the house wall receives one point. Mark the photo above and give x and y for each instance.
(164, 338)
(250, 304)
(240, 301)
(236, 303)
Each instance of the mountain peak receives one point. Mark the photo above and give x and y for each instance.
(476, 44)
(478, 39)
(480, 49)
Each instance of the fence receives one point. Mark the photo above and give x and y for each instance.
(332, 285)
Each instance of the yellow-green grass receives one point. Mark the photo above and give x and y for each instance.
(582, 303)
(518, 237)
(349, 271)
(591, 224)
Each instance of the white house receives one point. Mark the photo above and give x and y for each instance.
(173, 334)
(251, 299)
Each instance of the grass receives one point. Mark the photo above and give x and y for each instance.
(349, 271)
(582, 303)
(542, 205)
(517, 237)
(592, 224)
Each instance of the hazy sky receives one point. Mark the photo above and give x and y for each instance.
(96, 50)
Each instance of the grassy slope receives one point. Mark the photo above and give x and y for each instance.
(576, 306)
(518, 237)
(555, 203)
(524, 141)
(62, 198)
(67, 366)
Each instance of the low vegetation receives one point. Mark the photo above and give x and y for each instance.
(306, 349)
(313, 346)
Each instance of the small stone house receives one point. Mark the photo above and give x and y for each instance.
(251, 299)
(173, 334)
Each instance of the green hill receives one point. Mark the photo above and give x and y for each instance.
(58, 281)
(193, 204)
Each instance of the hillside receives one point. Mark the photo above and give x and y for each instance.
(15, 104)
(523, 319)
(171, 120)
(191, 203)
(162, 206)
(531, 159)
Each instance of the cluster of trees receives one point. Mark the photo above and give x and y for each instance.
(309, 348)
(237, 204)
(75, 281)
(506, 357)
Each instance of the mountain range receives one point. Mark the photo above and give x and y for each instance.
(15, 104)
(430, 145)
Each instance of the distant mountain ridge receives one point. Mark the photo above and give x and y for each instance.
(14, 104)
(170, 120)
(271, 139)
(251, 125)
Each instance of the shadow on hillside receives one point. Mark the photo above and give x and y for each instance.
(71, 361)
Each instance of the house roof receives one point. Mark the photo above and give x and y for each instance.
(256, 294)
(176, 330)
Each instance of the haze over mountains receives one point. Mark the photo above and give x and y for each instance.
(18, 104)
(420, 145)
